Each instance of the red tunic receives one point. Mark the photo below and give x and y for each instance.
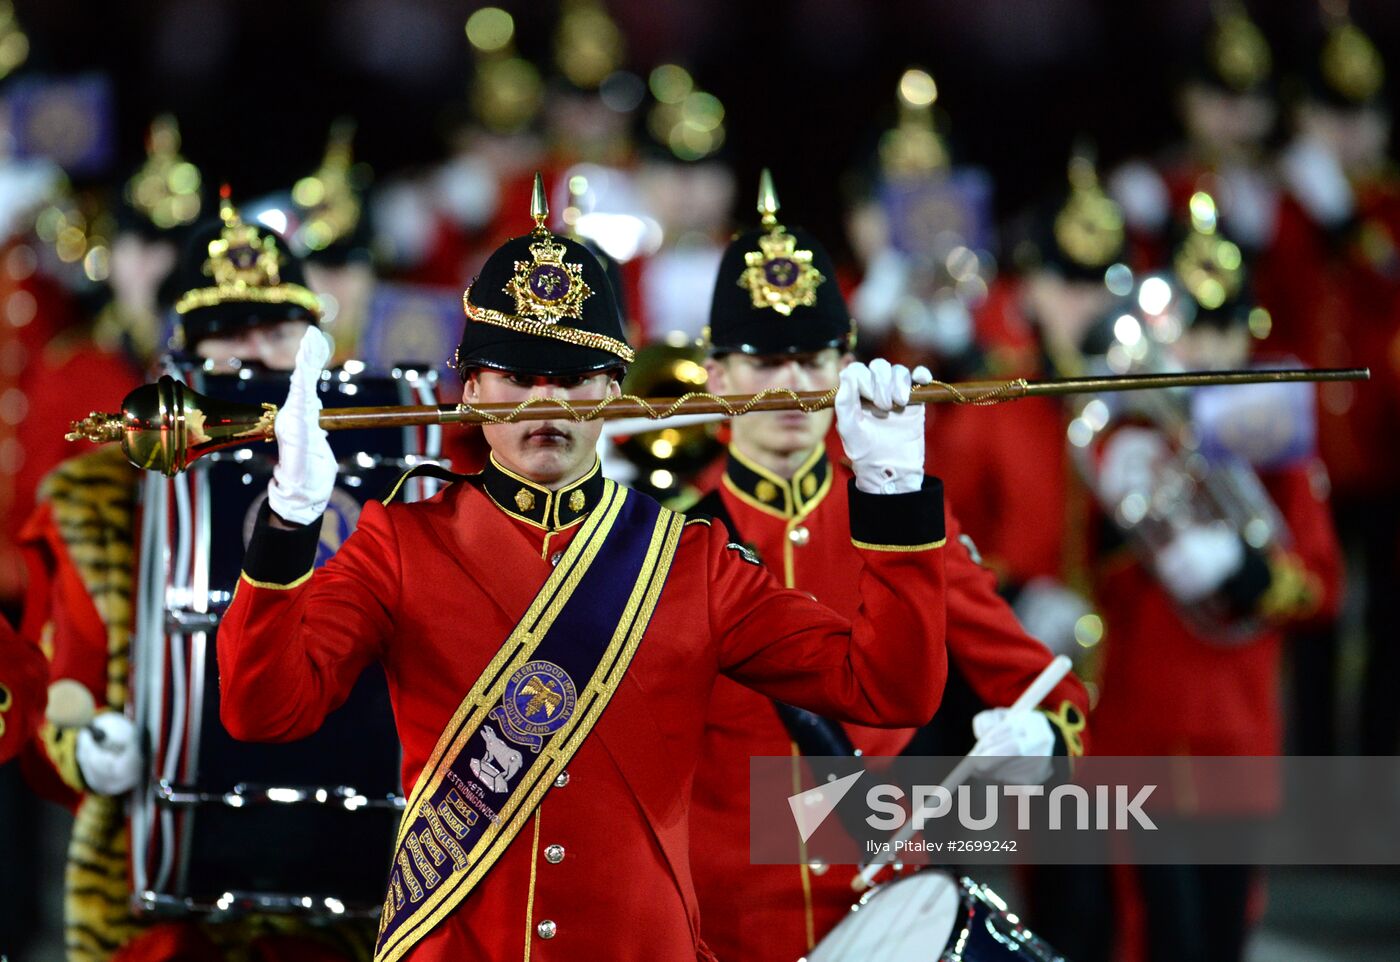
(432, 589)
(24, 673)
(777, 912)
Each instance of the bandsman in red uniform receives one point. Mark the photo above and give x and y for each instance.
(1034, 535)
(80, 548)
(784, 495)
(1226, 102)
(551, 639)
(1332, 286)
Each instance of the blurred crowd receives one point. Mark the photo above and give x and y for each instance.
(1124, 531)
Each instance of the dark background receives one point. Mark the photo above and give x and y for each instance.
(807, 84)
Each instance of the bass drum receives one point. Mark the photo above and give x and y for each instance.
(220, 827)
(912, 917)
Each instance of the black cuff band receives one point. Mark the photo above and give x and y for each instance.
(1244, 589)
(898, 522)
(278, 556)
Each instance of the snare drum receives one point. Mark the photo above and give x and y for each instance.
(219, 826)
(910, 918)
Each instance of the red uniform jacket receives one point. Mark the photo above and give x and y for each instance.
(24, 675)
(1335, 300)
(775, 913)
(432, 589)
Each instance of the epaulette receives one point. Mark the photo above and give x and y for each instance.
(428, 469)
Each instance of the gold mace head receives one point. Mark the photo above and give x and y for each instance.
(167, 426)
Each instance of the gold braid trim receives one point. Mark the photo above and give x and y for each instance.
(528, 325)
(1007, 392)
(1070, 721)
(1294, 593)
(243, 294)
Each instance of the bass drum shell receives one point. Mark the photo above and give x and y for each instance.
(931, 916)
(307, 826)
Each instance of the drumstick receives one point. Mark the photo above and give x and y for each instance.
(1034, 694)
(71, 705)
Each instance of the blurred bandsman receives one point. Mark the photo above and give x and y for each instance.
(923, 234)
(1220, 562)
(1227, 104)
(81, 549)
(1332, 285)
(778, 320)
(157, 207)
(1035, 536)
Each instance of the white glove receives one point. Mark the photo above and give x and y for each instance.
(1129, 464)
(1049, 612)
(886, 441)
(302, 482)
(1198, 560)
(1315, 176)
(109, 754)
(1017, 748)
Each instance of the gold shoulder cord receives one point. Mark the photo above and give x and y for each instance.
(1007, 392)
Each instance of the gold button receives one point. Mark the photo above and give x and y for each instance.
(766, 490)
(524, 500)
(809, 486)
(576, 501)
(547, 929)
(799, 535)
(554, 854)
(562, 780)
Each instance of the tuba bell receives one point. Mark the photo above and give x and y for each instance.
(1191, 474)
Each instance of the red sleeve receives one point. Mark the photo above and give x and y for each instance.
(292, 645)
(991, 650)
(888, 666)
(24, 675)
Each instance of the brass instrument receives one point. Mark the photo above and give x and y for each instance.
(1185, 488)
(166, 426)
(663, 458)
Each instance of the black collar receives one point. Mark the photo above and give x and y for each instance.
(784, 497)
(536, 504)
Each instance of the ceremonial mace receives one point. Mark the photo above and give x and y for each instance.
(167, 426)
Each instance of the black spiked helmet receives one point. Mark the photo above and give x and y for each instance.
(233, 276)
(542, 304)
(776, 292)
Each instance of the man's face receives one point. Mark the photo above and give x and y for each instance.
(780, 433)
(1226, 124)
(272, 345)
(550, 453)
(138, 267)
(348, 286)
(1064, 309)
(1358, 137)
(1205, 347)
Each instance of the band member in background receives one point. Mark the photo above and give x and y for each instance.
(784, 495)
(1226, 102)
(1192, 659)
(80, 551)
(1332, 286)
(1033, 535)
(534, 825)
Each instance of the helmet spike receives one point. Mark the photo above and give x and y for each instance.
(767, 199)
(539, 206)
